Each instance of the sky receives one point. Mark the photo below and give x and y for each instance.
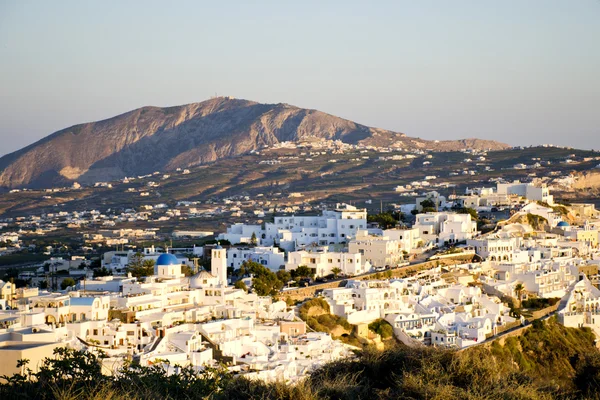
(520, 72)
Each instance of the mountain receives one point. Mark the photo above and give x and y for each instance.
(161, 139)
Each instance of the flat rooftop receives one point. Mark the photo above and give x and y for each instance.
(23, 345)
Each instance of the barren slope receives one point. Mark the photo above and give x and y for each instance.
(161, 139)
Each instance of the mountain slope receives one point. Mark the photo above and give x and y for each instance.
(161, 139)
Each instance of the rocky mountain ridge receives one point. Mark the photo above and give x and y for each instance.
(152, 139)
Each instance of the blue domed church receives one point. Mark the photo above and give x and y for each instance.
(167, 266)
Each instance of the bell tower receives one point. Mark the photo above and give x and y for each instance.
(218, 265)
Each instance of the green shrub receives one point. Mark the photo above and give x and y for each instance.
(382, 328)
(316, 302)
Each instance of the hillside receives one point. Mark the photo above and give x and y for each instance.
(548, 361)
(152, 139)
(352, 178)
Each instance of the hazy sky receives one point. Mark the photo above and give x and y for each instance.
(523, 72)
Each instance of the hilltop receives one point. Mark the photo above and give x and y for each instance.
(152, 139)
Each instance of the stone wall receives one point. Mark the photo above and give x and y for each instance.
(301, 294)
(543, 312)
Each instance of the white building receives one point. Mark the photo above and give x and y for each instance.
(581, 306)
(292, 232)
(242, 233)
(410, 239)
(379, 251)
(271, 257)
(438, 200)
(323, 262)
(218, 265)
(495, 247)
(445, 227)
(366, 301)
(526, 190)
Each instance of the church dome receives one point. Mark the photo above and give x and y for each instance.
(562, 224)
(167, 259)
(198, 280)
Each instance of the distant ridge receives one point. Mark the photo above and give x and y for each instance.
(152, 139)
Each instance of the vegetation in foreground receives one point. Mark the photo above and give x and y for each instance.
(549, 361)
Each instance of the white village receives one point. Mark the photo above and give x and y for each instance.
(440, 282)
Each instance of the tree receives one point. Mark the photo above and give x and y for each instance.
(264, 281)
(102, 272)
(240, 285)
(253, 239)
(186, 270)
(67, 282)
(385, 220)
(303, 272)
(519, 290)
(336, 271)
(138, 267)
(428, 205)
(44, 284)
(469, 210)
(284, 276)
(242, 271)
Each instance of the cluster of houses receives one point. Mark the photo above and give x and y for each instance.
(341, 239)
(169, 318)
(464, 304)
(432, 308)
(165, 318)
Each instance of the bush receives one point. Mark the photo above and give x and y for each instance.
(316, 302)
(539, 302)
(67, 282)
(76, 374)
(382, 328)
(548, 361)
